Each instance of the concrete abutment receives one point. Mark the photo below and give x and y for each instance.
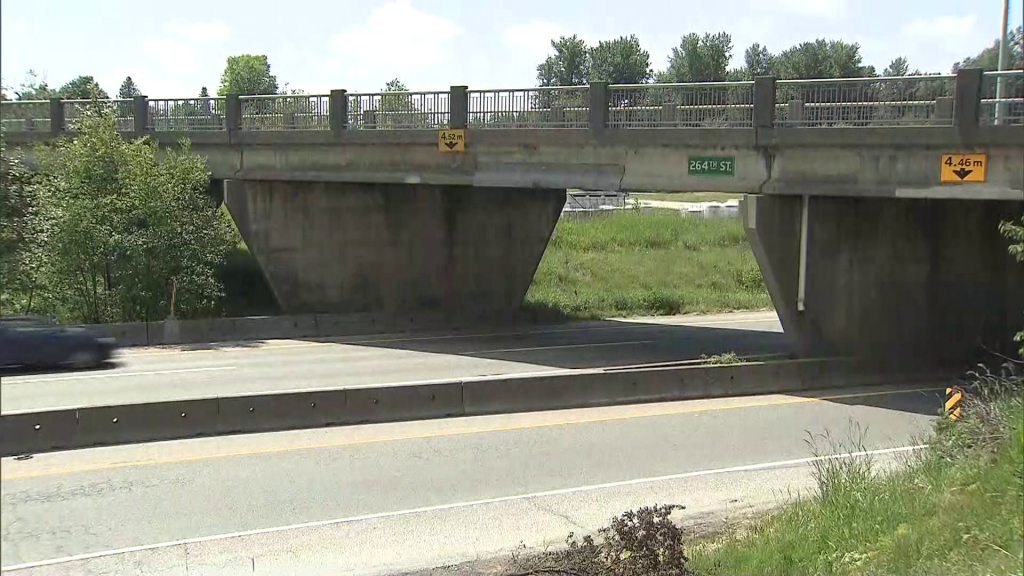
(455, 251)
(890, 279)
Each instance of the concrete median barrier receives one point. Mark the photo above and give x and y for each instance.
(129, 423)
(28, 432)
(40, 431)
(410, 402)
(282, 411)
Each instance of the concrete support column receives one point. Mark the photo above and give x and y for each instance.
(56, 116)
(232, 115)
(458, 107)
(140, 114)
(894, 280)
(764, 102)
(967, 102)
(338, 111)
(455, 251)
(599, 102)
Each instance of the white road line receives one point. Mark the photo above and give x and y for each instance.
(118, 374)
(633, 342)
(560, 492)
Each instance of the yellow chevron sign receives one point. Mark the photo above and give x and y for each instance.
(953, 397)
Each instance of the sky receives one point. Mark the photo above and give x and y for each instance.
(172, 49)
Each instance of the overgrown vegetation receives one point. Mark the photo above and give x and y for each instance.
(637, 263)
(721, 359)
(1015, 232)
(105, 231)
(688, 196)
(955, 508)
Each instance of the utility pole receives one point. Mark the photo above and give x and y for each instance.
(1001, 81)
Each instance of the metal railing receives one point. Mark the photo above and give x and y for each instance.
(892, 101)
(25, 116)
(545, 107)
(1002, 98)
(286, 112)
(122, 109)
(186, 114)
(689, 105)
(399, 110)
(880, 101)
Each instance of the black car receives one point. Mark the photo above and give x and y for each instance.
(38, 342)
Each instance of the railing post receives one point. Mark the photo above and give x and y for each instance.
(338, 110)
(967, 101)
(668, 114)
(795, 112)
(370, 119)
(232, 114)
(764, 102)
(140, 114)
(599, 102)
(944, 110)
(458, 107)
(56, 116)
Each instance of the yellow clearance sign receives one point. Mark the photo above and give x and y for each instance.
(451, 140)
(963, 167)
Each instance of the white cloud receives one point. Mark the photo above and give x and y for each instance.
(395, 39)
(942, 26)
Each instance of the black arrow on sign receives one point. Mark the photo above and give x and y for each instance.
(451, 146)
(962, 173)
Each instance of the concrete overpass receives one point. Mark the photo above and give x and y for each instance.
(351, 202)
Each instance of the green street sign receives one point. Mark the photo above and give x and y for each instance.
(712, 166)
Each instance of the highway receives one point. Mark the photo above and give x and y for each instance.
(383, 498)
(173, 373)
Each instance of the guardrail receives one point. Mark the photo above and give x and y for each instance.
(969, 98)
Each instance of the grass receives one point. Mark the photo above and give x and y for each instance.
(632, 263)
(957, 508)
(688, 196)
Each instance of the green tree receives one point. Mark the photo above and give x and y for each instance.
(17, 262)
(247, 74)
(821, 59)
(568, 66)
(33, 88)
(204, 93)
(700, 59)
(988, 58)
(759, 61)
(121, 226)
(82, 88)
(620, 61)
(128, 89)
(898, 67)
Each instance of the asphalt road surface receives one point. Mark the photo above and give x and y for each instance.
(384, 498)
(154, 374)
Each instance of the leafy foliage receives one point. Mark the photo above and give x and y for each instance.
(82, 88)
(17, 217)
(1015, 232)
(568, 66)
(988, 58)
(620, 61)
(34, 88)
(128, 89)
(247, 74)
(116, 229)
(699, 59)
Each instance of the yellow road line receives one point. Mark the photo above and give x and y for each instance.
(444, 433)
